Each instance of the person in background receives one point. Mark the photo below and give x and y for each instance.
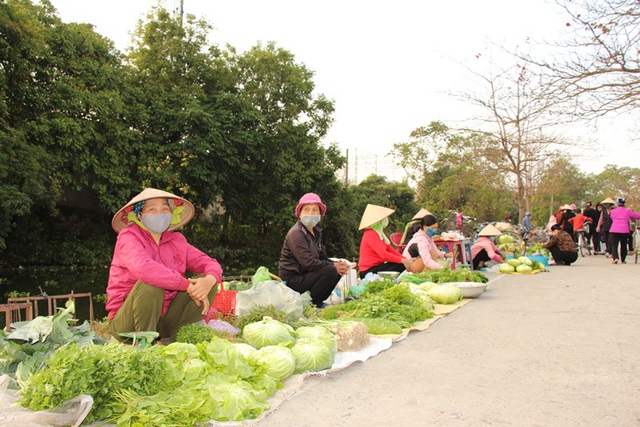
(567, 214)
(304, 264)
(577, 222)
(594, 214)
(376, 252)
(553, 219)
(484, 249)
(526, 222)
(147, 288)
(413, 226)
(459, 219)
(619, 231)
(562, 247)
(604, 224)
(421, 250)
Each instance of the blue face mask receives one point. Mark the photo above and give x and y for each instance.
(431, 232)
(156, 223)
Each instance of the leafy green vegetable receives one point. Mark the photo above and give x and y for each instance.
(445, 294)
(266, 332)
(278, 361)
(380, 326)
(193, 333)
(313, 356)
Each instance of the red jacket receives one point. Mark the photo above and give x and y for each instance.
(374, 251)
(578, 221)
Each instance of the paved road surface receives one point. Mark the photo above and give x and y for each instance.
(553, 349)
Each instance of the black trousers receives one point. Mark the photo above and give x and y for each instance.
(481, 256)
(387, 266)
(619, 239)
(319, 283)
(563, 257)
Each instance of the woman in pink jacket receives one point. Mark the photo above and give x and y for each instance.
(421, 249)
(484, 249)
(620, 231)
(147, 289)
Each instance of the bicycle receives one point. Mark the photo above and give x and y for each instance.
(636, 242)
(583, 241)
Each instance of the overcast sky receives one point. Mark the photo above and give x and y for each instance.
(388, 66)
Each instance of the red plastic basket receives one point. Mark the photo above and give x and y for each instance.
(224, 303)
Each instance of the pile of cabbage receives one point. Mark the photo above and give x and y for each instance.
(440, 293)
(520, 265)
(284, 351)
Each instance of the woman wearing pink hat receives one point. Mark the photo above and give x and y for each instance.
(304, 264)
(147, 289)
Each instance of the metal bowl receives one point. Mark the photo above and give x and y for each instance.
(471, 289)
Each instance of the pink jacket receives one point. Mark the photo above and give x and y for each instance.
(425, 244)
(485, 243)
(620, 217)
(138, 257)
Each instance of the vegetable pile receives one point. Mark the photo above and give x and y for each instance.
(521, 265)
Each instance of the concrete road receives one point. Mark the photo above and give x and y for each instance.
(553, 349)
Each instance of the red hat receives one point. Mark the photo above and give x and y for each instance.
(310, 199)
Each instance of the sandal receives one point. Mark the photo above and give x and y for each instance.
(615, 261)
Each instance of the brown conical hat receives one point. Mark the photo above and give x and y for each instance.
(373, 214)
(490, 230)
(421, 214)
(608, 200)
(120, 220)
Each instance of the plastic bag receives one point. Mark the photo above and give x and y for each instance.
(261, 275)
(70, 413)
(220, 326)
(343, 289)
(267, 293)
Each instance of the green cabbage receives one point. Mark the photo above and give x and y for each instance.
(513, 262)
(277, 359)
(523, 269)
(524, 260)
(507, 268)
(505, 238)
(312, 356)
(244, 348)
(445, 294)
(317, 333)
(267, 332)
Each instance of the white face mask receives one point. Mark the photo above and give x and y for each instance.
(156, 223)
(310, 220)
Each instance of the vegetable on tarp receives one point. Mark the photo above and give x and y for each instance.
(523, 268)
(507, 268)
(445, 294)
(277, 359)
(312, 356)
(266, 332)
(351, 335)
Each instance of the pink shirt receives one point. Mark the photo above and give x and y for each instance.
(138, 257)
(620, 217)
(425, 244)
(485, 243)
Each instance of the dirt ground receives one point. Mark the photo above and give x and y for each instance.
(553, 349)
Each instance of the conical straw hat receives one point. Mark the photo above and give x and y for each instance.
(490, 230)
(120, 220)
(565, 208)
(608, 200)
(373, 214)
(421, 214)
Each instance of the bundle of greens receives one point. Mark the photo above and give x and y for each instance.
(443, 276)
(31, 343)
(396, 303)
(178, 384)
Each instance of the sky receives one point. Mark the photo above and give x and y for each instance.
(389, 67)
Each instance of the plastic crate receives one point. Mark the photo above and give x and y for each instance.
(224, 303)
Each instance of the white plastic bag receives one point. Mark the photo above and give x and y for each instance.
(70, 413)
(271, 292)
